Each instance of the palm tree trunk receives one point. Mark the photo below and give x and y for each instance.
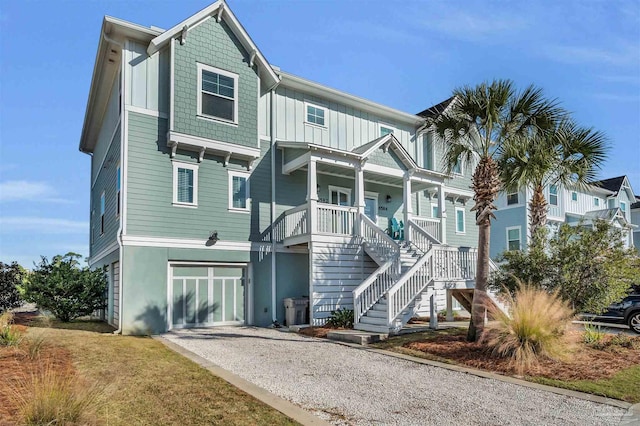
(537, 209)
(486, 184)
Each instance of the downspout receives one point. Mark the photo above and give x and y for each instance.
(272, 134)
(122, 167)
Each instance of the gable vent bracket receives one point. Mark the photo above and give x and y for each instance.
(201, 155)
(252, 58)
(227, 156)
(219, 15)
(174, 147)
(183, 35)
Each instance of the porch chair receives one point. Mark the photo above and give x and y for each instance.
(395, 229)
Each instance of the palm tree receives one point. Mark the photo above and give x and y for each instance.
(567, 155)
(475, 127)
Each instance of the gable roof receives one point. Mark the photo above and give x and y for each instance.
(222, 11)
(610, 215)
(636, 205)
(437, 109)
(612, 184)
(391, 143)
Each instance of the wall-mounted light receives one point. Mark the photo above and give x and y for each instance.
(388, 198)
(213, 238)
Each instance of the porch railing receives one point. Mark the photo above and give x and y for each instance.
(454, 263)
(431, 226)
(373, 288)
(332, 219)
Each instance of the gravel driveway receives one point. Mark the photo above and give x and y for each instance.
(351, 386)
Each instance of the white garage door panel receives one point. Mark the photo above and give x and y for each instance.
(205, 296)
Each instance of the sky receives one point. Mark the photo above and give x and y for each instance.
(408, 55)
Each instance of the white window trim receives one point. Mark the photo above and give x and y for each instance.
(306, 114)
(393, 129)
(512, 193)
(623, 207)
(245, 175)
(118, 191)
(103, 211)
(557, 194)
(434, 206)
(203, 67)
(184, 165)
(510, 228)
(340, 188)
(596, 201)
(576, 200)
(464, 218)
(369, 194)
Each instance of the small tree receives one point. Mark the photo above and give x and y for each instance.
(10, 277)
(66, 289)
(587, 266)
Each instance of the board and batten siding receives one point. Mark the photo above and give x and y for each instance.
(150, 209)
(337, 269)
(345, 127)
(110, 121)
(214, 44)
(105, 182)
(146, 77)
(583, 204)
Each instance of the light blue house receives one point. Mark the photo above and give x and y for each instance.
(608, 199)
(221, 185)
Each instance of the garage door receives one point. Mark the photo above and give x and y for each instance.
(115, 279)
(207, 295)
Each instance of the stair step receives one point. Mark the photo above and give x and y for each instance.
(373, 320)
(376, 313)
(372, 328)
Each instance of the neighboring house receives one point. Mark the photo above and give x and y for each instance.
(608, 199)
(221, 185)
(635, 219)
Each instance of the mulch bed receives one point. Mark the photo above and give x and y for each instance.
(584, 362)
(320, 332)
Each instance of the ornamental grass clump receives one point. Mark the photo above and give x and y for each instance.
(535, 328)
(9, 333)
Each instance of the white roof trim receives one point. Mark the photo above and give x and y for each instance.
(224, 12)
(226, 150)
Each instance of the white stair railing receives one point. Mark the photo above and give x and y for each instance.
(373, 288)
(333, 219)
(409, 286)
(454, 263)
(420, 237)
(431, 226)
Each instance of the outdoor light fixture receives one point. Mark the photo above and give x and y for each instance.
(388, 198)
(213, 238)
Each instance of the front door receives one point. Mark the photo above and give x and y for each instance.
(207, 295)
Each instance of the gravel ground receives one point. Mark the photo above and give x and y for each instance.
(350, 386)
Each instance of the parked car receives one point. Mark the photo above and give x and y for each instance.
(627, 311)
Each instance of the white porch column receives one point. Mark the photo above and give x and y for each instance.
(449, 305)
(406, 200)
(443, 214)
(359, 196)
(312, 195)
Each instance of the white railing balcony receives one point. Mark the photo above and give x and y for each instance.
(335, 220)
(419, 236)
(431, 226)
(454, 263)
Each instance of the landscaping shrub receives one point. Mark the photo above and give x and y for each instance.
(34, 345)
(66, 289)
(10, 278)
(593, 335)
(618, 342)
(535, 328)
(587, 266)
(50, 397)
(9, 334)
(342, 318)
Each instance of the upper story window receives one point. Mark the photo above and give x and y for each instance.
(553, 195)
(574, 196)
(460, 220)
(596, 201)
(612, 203)
(239, 197)
(512, 198)
(185, 184)
(435, 213)
(513, 238)
(315, 114)
(385, 130)
(217, 94)
(118, 190)
(102, 210)
(623, 206)
(457, 168)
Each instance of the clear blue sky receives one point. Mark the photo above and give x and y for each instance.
(408, 55)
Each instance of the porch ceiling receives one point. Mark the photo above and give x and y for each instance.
(370, 176)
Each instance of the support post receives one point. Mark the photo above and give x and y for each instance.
(359, 197)
(433, 313)
(443, 214)
(449, 306)
(406, 200)
(312, 195)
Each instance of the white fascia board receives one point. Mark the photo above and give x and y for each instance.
(295, 164)
(213, 145)
(299, 83)
(462, 193)
(376, 146)
(156, 44)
